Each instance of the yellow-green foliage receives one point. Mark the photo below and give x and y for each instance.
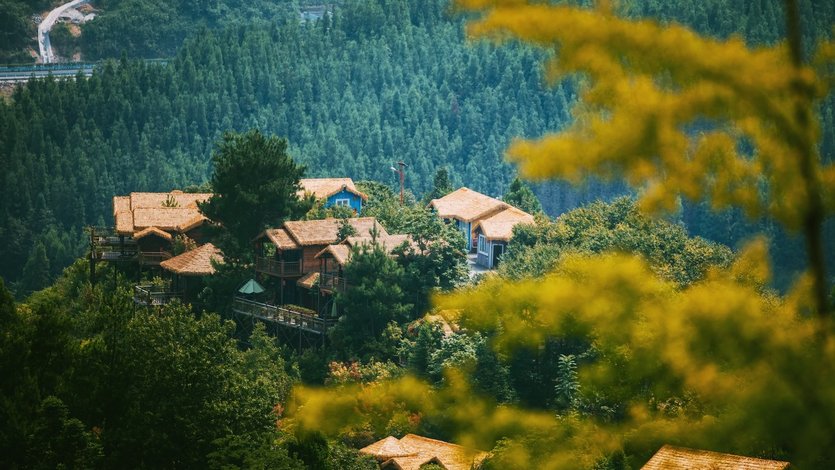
(759, 367)
(646, 84)
(717, 364)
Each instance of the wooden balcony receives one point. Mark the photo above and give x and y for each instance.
(106, 246)
(152, 296)
(278, 268)
(283, 316)
(333, 282)
(153, 258)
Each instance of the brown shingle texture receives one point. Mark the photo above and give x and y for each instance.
(682, 458)
(412, 451)
(324, 188)
(324, 232)
(143, 210)
(466, 205)
(197, 262)
(499, 226)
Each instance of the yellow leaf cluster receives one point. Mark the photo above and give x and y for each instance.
(757, 364)
(670, 110)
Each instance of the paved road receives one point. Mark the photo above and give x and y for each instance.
(43, 29)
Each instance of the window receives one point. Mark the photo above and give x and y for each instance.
(342, 202)
(482, 244)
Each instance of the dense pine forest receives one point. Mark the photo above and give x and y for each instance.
(375, 83)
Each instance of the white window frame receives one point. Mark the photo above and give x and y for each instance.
(482, 244)
(343, 201)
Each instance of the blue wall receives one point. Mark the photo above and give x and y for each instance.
(467, 229)
(355, 201)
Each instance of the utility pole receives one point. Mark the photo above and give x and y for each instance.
(401, 171)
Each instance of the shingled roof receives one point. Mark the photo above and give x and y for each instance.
(325, 231)
(682, 458)
(140, 211)
(280, 238)
(197, 262)
(324, 188)
(499, 226)
(413, 451)
(342, 252)
(466, 205)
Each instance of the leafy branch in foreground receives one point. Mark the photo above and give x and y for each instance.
(716, 364)
(674, 111)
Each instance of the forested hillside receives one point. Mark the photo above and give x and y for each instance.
(378, 82)
(351, 96)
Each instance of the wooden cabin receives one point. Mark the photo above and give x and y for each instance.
(411, 452)
(465, 208)
(289, 254)
(150, 221)
(681, 458)
(334, 258)
(334, 192)
(187, 271)
(493, 234)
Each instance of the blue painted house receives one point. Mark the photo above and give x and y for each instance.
(466, 208)
(335, 192)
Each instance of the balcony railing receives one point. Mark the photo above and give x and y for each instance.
(276, 267)
(284, 316)
(153, 296)
(333, 282)
(153, 258)
(105, 245)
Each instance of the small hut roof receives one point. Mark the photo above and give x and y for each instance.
(197, 262)
(121, 204)
(324, 188)
(152, 231)
(173, 219)
(388, 242)
(387, 448)
(682, 458)
(466, 205)
(308, 280)
(415, 451)
(499, 226)
(325, 231)
(342, 252)
(139, 211)
(181, 199)
(281, 239)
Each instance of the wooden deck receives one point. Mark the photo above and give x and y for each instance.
(282, 316)
(278, 268)
(153, 258)
(150, 296)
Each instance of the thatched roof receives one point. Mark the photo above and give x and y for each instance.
(139, 211)
(682, 458)
(413, 451)
(466, 205)
(324, 188)
(152, 231)
(280, 238)
(387, 448)
(342, 252)
(309, 280)
(197, 262)
(324, 232)
(499, 226)
(170, 219)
